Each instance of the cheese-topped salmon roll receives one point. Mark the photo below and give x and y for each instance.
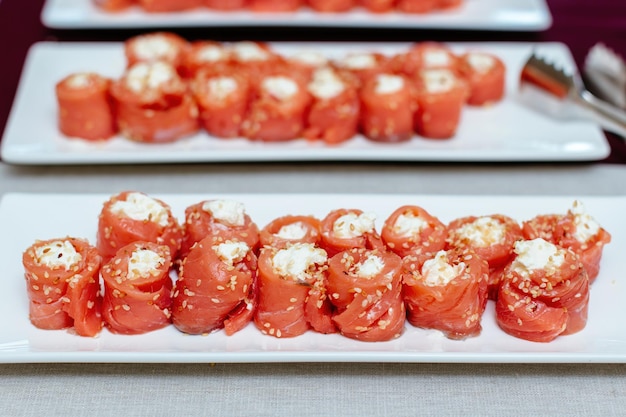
(156, 46)
(335, 109)
(447, 292)
(542, 226)
(62, 282)
(576, 230)
(580, 232)
(205, 55)
(137, 288)
(441, 95)
(411, 230)
(491, 237)
(133, 216)
(306, 63)
(387, 108)
(277, 110)
(223, 98)
(363, 65)
(223, 219)
(153, 104)
(254, 59)
(85, 107)
(286, 278)
(544, 292)
(216, 288)
(486, 76)
(365, 288)
(425, 55)
(290, 229)
(344, 229)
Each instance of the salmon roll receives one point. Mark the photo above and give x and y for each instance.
(204, 55)
(411, 230)
(274, 5)
(486, 77)
(305, 63)
(255, 59)
(491, 237)
(387, 108)
(447, 292)
(216, 288)
(334, 112)
(377, 6)
(137, 289)
(363, 65)
(226, 5)
(287, 230)
(286, 278)
(581, 233)
(223, 219)
(62, 281)
(277, 109)
(542, 226)
(544, 292)
(132, 216)
(423, 56)
(441, 95)
(417, 6)
(114, 5)
(156, 46)
(331, 6)
(85, 107)
(365, 287)
(576, 230)
(223, 98)
(344, 229)
(153, 104)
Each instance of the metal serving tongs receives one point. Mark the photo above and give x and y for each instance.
(549, 89)
(604, 73)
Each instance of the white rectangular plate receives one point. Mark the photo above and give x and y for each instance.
(518, 15)
(27, 217)
(507, 131)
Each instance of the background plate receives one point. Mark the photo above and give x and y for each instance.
(507, 131)
(27, 217)
(517, 15)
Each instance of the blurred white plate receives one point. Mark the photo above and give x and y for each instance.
(514, 15)
(507, 131)
(27, 217)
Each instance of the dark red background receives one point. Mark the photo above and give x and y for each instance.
(577, 23)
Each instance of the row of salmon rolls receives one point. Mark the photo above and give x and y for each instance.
(301, 273)
(325, 6)
(172, 88)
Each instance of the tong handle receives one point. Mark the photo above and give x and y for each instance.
(608, 116)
